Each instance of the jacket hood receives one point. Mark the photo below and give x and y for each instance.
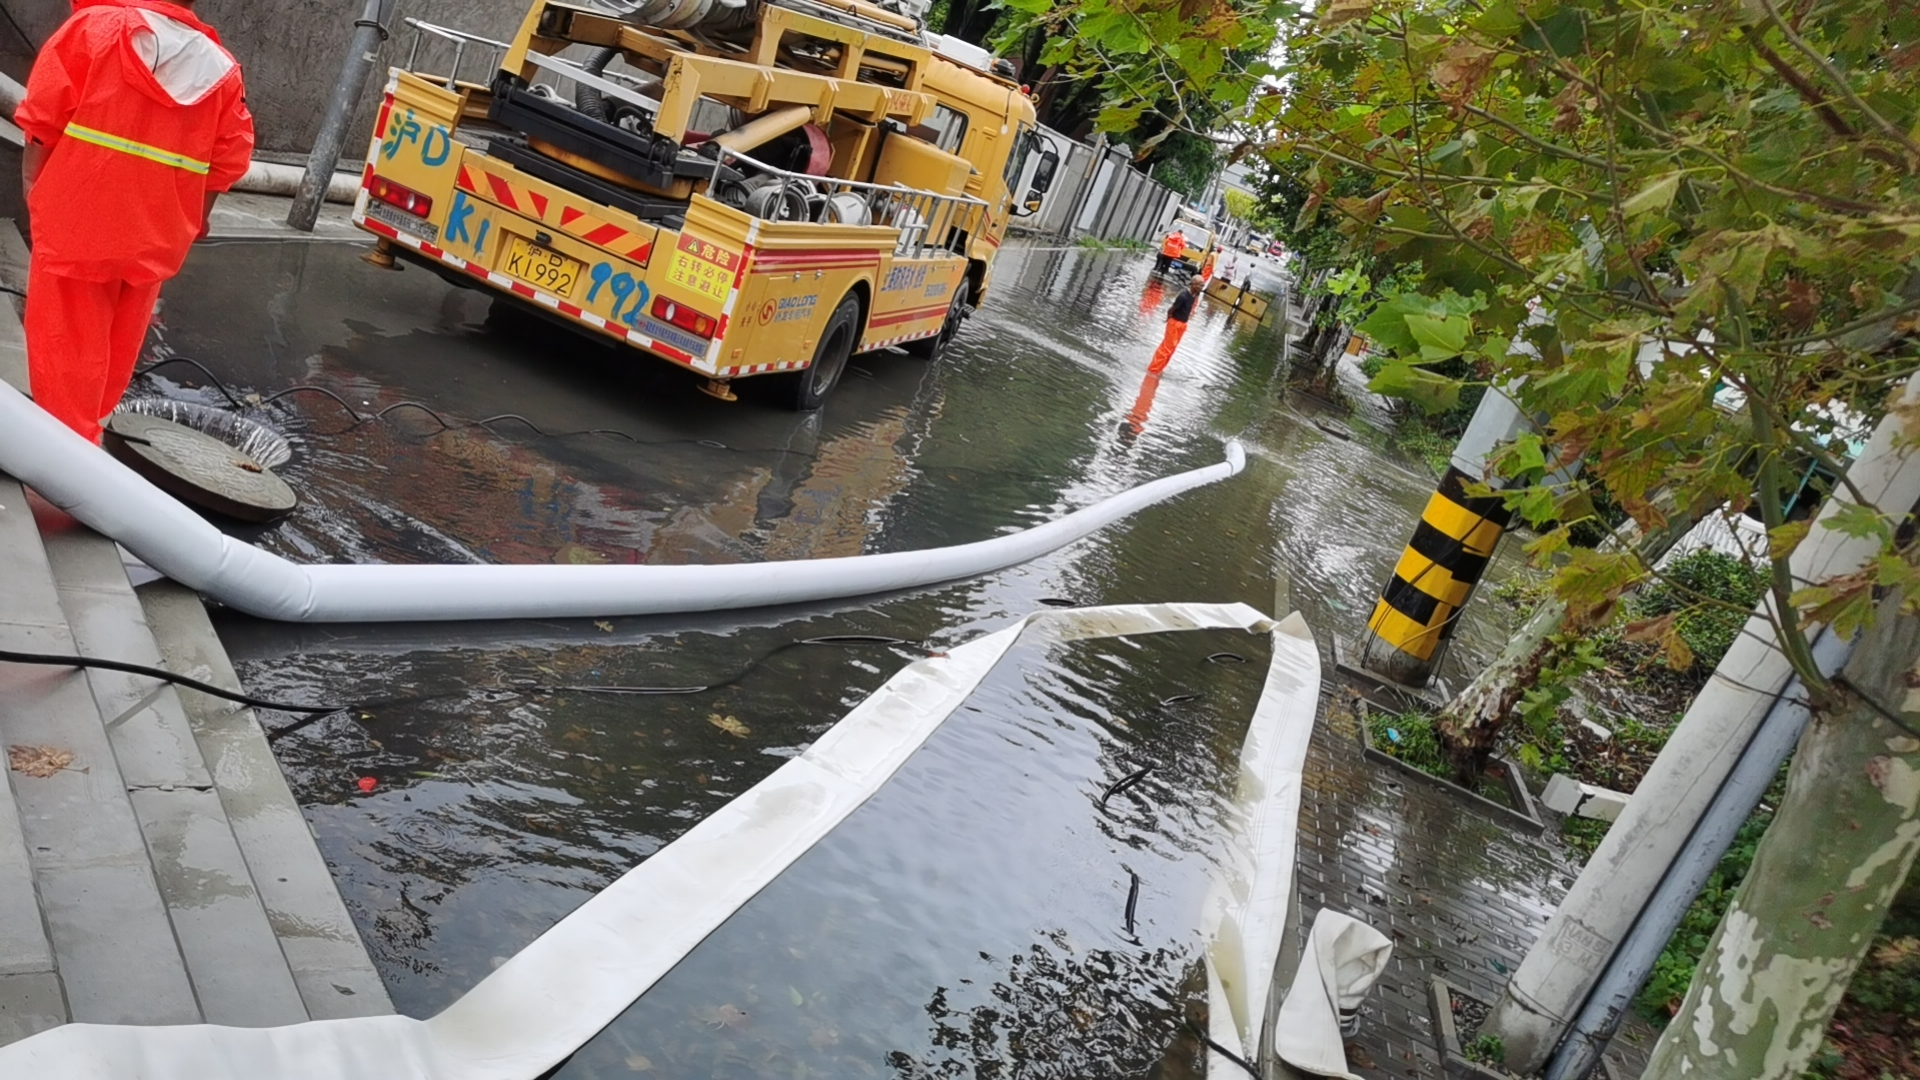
(171, 56)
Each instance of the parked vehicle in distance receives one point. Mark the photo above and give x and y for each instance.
(1200, 238)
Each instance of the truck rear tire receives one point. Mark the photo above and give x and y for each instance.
(807, 390)
(935, 347)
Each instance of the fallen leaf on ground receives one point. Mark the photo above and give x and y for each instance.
(604, 625)
(638, 1063)
(729, 724)
(723, 1016)
(38, 761)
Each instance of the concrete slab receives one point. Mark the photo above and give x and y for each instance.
(111, 937)
(30, 1002)
(330, 964)
(31, 999)
(232, 955)
(151, 737)
(242, 216)
(238, 971)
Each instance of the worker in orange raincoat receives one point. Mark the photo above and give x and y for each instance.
(1206, 267)
(1177, 317)
(1174, 246)
(135, 119)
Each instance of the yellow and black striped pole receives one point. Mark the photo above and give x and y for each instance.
(1451, 546)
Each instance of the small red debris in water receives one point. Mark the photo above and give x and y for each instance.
(368, 783)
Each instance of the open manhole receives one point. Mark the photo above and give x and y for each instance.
(203, 456)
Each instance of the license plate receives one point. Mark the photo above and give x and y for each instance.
(394, 217)
(541, 267)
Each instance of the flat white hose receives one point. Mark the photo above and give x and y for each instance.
(113, 500)
(554, 995)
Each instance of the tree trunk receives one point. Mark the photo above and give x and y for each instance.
(1840, 847)
(1472, 723)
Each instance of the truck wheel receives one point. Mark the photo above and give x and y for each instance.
(807, 390)
(935, 347)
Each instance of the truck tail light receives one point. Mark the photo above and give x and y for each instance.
(394, 195)
(683, 316)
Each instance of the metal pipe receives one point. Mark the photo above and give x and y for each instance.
(369, 31)
(765, 128)
(1620, 981)
(271, 178)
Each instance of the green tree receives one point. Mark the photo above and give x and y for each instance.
(1685, 235)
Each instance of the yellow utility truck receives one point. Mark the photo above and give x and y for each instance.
(739, 187)
(1200, 237)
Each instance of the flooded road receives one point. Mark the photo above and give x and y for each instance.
(969, 920)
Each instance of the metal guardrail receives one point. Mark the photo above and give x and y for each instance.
(926, 220)
(460, 38)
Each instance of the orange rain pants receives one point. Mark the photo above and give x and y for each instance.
(141, 114)
(84, 337)
(1164, 354)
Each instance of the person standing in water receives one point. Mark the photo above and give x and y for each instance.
(135, 118)
(1177, 317)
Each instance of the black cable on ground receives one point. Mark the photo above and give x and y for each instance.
(645, 691)
(53, 660)
(1196, 1030)
(191, 362)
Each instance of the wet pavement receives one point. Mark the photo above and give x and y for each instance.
(968, 921)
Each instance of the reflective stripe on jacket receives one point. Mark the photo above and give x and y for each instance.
(144, 113)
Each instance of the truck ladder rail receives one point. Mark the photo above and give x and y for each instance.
(460, 38)
(920, 215)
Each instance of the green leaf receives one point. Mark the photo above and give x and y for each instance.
(1653, 198)
(1438, 337)
(1782, 541)
(1434, 393)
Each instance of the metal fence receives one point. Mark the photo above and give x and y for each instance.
(1098, 192)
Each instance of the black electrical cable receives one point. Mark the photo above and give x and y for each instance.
(163, 675)
(649, 691)
(191, 362)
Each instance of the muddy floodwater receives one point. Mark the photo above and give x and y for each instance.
(971, 919)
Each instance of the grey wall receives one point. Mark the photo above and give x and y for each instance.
(291, 51)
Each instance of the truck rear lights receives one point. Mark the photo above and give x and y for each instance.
(403, 197)
(682, 316)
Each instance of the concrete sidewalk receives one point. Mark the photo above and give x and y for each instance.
(154, 867)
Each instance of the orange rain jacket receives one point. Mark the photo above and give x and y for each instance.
(1175, 245)
(145, 112)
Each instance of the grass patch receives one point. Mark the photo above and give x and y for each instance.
(1409, 737)
(1489, 1050)
(1583, 836)
(1094, 243)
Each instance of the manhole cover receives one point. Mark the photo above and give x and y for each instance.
(196, 468)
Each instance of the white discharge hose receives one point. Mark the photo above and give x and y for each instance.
(110, 498)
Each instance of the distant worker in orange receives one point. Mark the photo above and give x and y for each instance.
(1206, 267)
(135, 118)
(1177, 317)
(1174, 246)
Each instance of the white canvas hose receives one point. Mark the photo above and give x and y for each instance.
(547, 1001)
(110, 498)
